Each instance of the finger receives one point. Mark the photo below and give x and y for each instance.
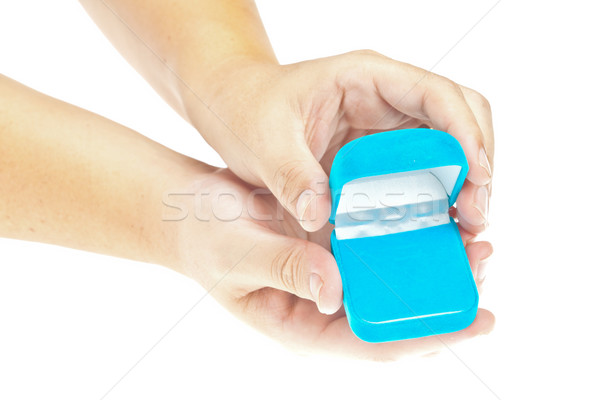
(472, 206)
(477, 253)
(300, 184)
(427, 96)
(298, 267)
(466, 236)
(483, 114)
(446, 107)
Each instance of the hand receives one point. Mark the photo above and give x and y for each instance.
(281, 126)
(253, 257)
(258, 262)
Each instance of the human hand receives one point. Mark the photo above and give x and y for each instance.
(258, 262)
(255, 260)
(281, 126)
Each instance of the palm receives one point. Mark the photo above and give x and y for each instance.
(363, 111)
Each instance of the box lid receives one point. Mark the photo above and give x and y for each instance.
(397, 151)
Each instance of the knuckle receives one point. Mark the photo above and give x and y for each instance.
(449, 84)
(287, 181)
(440, 85)
(478, 99)
(366, 52)
(287, 267)
(360, 55)
(437, 89)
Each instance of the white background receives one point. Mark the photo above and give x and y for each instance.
(72, 323)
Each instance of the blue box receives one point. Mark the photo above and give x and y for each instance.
(403, 265)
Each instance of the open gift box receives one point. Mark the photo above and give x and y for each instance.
(403, 265)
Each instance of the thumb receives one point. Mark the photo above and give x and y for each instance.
(302, 268)
(301, 185)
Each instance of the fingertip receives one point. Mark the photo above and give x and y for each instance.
(330, 307)
(470, 228)
(479, 250)
(466, 236)
(470, 138)
(331, 297)
(477, 253)
(484, 322)
(472, 207)
(313, 209)
(480, 170)
(323, 264)
(487, 250)
(484, 162)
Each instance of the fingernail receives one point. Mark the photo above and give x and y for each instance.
(303, 203)
(481, 270)
(316, 283)
(482, 202)
(486, 332)
(485, 162)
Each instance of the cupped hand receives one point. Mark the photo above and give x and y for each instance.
(258, 262)
(280, 126)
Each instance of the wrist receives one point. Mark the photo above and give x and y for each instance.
(199, 218)
(212, 101)
(173, 207)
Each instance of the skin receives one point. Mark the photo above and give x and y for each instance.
(279, 126)
(73, 178)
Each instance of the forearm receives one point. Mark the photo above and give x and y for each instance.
(72, 178)
(185, 49)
